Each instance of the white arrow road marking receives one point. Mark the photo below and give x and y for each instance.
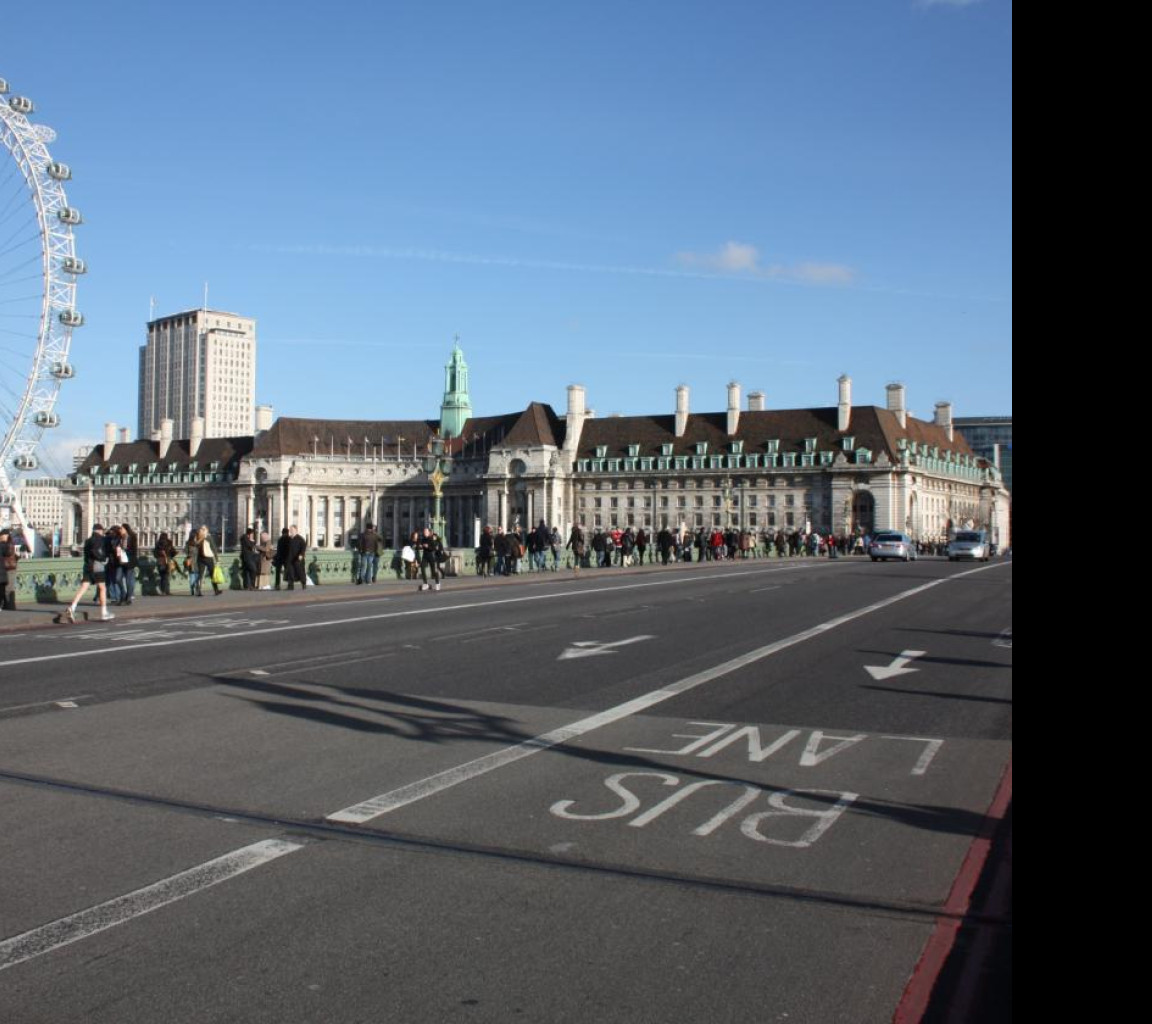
(590, 648)
(899, 667)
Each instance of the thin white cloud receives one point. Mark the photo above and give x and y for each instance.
(735, 261)
(740, 259)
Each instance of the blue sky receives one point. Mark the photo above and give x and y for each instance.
(624, 195)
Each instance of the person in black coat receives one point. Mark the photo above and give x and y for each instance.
(297, 553)
(165, 554)
(7, 575)
(249, 560)
(280, 560)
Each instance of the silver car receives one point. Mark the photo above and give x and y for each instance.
(892, 545)
(969, 544)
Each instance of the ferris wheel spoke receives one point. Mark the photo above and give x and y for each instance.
(22, 298)
(34, 258)
(15, 193)
(6, 247)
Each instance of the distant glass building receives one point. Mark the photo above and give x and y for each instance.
(991, 438)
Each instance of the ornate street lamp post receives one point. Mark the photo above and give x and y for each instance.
(438, 466)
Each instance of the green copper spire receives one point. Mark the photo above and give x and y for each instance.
(456, 409)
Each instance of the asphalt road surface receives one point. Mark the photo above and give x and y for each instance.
(751, 792)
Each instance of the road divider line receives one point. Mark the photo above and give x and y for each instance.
(432, 608)
(67, 930)
(393, 800)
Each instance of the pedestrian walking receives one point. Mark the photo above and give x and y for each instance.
(577, 546)
(267, 555)
(95, 565)
(165, 554)
(369, 548)
(9, 561)
(206, 561)
(297, 555)
(249, 560)
(432, 556)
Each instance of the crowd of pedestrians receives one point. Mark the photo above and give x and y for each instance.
(111, 557)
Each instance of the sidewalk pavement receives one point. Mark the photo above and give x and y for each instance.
(43, 616)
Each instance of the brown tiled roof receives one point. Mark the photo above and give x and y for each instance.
(227, 451)
(873, 428)
(291, 436)
(537, 425)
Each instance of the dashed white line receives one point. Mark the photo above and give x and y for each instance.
(68, 930)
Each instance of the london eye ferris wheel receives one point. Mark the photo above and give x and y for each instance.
(38, 273)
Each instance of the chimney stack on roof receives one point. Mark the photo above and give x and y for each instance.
(109, 440)
(681, 410)
(756, 401)
(166, 429)
(896, 403)
(197, 436)
(577, 414)
(733, 408)
(944, 418)
(264, 418)
(125, 435)
(844, 409)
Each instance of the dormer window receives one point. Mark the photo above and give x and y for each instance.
(863, 456)
(737, 447)
(152, 466)
(701, 447)
(113, 470)
(666, 449)
(848, 443)
(773, 446)
(810, 445)
(633, 450)
(601, 451)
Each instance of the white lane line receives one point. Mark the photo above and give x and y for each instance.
(360, 600)
(68, 930)
(430, 609)
(328, 666)
(763, 590)
(44, 703)
(393, 800)
(297, 662)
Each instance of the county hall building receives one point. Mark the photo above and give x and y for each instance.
(836, 469)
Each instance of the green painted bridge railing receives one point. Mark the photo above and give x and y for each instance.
(52, 580)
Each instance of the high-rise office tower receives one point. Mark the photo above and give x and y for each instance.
(199, 364)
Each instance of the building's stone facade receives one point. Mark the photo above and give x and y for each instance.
(835, 470)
